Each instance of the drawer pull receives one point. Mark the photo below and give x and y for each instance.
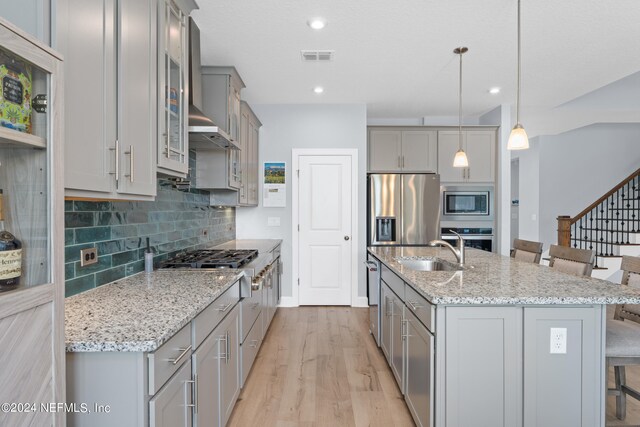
(194, 394)
(226, 307)
(184, 353)
(254, 343)
(414, 305)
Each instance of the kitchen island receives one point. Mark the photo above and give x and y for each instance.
(499, 343)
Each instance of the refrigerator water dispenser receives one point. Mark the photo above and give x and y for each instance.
(385, 229)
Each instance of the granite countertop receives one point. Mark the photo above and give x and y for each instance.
(141, 312)
(496, 280)
(262, 245)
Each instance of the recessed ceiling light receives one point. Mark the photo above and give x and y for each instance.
(317, 23)
(318, 89)
(494, 90)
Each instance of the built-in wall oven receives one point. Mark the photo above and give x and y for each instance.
(474, 237)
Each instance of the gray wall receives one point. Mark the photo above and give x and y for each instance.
(305, 126)
(571, 170)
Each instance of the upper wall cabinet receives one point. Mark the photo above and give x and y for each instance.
(480, 148)
(110, 97)
(32, 16)
(173, 72)
(221, 88)
(249, 138)
(393, 150)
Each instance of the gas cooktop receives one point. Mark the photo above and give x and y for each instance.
(212, 258)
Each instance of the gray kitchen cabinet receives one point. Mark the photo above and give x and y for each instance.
(386, 300)
(397, 341)
(397, 150)
(31, 16)
(192, 378)
(562, 389)
(206, 360)
(483, 367)
(221, 87)
(419, 370)
(480, 148)
(173, 72)
(229, 362)
(249, 171)
(111, 120)
(171, 407)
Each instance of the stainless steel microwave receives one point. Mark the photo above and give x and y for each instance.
(466, 203)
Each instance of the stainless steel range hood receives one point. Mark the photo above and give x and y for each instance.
(203, 132)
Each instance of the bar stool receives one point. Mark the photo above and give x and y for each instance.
(527, 250)
(623, 338)
(571, 260)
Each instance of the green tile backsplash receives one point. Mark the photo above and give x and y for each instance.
(174, 222)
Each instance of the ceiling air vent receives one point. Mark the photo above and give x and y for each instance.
(317, 55)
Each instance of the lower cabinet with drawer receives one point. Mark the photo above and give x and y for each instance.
(408, 343)
(193, 379)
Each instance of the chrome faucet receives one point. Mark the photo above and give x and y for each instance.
(458, 252)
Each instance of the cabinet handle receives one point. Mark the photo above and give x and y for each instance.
(184, 352)
(220, 339)
(468, 173)
(254, 343)
(371, 266)
(225, 308)
(403, 161)
(399, 165)
(414, 305)
(194, 394)
(130, 153)
(193, 398)
(405, 329)
(228, 348)
(387, 310)
(116, 148)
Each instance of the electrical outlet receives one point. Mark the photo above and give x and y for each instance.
(558, 341)
(88, 256)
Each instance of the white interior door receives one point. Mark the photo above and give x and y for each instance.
(325, 243)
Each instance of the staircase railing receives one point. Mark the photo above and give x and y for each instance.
(607, 222)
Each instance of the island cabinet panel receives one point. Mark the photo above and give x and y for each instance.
(419, 371)
(386, 299)
(397, 341)
(483, 366)
(563, 389)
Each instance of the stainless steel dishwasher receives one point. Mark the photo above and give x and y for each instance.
(373, 294)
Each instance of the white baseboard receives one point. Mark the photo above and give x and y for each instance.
(291, 302)
(361, 302)
(288, 302)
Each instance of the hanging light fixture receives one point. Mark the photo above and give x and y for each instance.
(518, 139)
(460, 160)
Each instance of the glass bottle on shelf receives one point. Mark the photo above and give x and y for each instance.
(10, 255)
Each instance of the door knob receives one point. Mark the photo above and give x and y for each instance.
(346, 237)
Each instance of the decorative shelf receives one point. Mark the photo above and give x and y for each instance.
(20, 139)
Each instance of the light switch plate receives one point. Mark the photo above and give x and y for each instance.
(273, 221)
(558, 341)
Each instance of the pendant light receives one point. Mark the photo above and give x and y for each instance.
(460, 160)
(518, 139)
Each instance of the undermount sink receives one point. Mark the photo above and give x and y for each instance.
(429, 264)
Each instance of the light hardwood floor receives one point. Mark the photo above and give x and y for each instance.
(317, 367)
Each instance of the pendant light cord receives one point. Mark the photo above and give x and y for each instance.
(519, 60)
(460, 105)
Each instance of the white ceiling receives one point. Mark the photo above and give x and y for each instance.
(396, 56)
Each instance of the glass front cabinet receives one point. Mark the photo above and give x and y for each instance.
(173, 78)
(31, 229)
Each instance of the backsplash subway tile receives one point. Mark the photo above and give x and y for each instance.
(174, 222)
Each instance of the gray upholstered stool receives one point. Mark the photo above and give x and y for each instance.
(623, 338)
(571, 260)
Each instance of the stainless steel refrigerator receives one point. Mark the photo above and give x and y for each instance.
(404, 209)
